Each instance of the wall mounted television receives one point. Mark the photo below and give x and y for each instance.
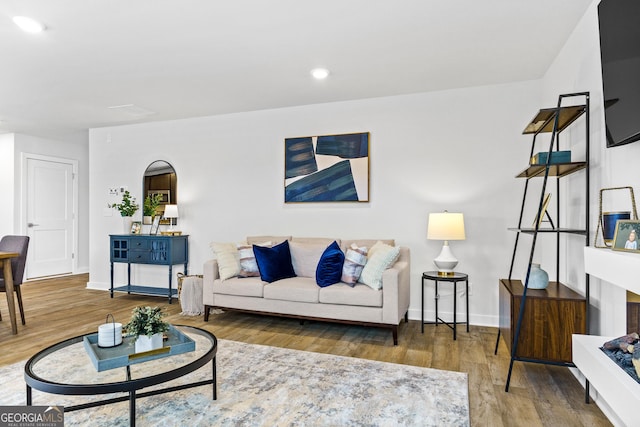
(620, 54)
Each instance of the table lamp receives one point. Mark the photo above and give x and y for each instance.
(170, 212)
(445, 226)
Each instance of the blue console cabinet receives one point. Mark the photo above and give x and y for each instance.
(145, 249)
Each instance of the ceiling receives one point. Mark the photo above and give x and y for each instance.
(188, 58)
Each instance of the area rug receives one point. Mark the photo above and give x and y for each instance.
(268, 386)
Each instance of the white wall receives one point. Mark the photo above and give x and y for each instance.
(577, 68)
(457, 150)
(14, 146)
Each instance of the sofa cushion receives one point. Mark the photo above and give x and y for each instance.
(274, 263)
(305, 257)
(303, 289)
(228, 259)
(256, 240)
(381, 257)
(329, 268)
(324, 241)
(354, 261)
(249, 287)
(360, 295)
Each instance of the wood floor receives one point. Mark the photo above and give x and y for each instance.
(539, 395)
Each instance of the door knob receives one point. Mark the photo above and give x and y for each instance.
(32, 225)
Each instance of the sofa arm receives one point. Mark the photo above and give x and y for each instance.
(210, 273)
(396, 289)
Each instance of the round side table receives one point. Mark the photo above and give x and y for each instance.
(455, 278)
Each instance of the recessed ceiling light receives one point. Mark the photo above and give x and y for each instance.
(27, 24)
(320, 73)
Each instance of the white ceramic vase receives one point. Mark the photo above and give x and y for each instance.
(126, 224)
(145, 343)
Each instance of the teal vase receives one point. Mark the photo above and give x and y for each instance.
(538, 278)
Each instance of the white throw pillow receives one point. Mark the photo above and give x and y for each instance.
(228, 259)
(381, 257)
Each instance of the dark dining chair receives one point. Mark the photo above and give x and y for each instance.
(18, 244)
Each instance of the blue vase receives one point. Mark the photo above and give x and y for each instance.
(538, 278)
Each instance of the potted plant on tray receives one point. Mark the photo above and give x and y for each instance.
(127, 208)
(150, 207)
(147, 326)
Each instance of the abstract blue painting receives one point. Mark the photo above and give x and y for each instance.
(327, 168)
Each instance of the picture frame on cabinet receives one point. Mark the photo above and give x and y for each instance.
(626, 236)
(136, 227)
(154, 225)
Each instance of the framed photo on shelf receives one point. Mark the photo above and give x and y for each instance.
(154, 225)
(543, 212)
(626, 236)
(136, 227)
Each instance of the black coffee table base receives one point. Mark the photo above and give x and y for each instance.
(129, 386)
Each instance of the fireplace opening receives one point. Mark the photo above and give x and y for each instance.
(624, 351)
(618, 349)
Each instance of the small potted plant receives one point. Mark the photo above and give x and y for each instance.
(127, 208)
(147, 326)
(150, 207)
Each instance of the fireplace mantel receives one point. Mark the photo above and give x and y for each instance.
(620, 392)
(618, 268)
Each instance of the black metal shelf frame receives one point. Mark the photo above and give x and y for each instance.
(553, 120)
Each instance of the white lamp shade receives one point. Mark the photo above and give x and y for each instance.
(446, 226)
(171, 211)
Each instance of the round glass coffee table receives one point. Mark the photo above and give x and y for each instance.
(78, 367)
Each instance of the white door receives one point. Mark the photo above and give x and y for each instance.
(50, 217)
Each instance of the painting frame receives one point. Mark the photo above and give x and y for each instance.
(332, 168)
(622, 238)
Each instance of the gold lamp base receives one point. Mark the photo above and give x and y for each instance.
(446, 273)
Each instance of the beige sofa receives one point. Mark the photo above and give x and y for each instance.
(301, 297)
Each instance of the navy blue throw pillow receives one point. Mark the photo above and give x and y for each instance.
(274, 263)
(329, 270)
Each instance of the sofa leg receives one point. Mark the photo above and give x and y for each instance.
(406, 317)
(394, 331)
(206, 312)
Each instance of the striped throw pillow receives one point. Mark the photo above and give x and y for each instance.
(354, 261)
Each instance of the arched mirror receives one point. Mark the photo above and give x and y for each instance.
(160, 183)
